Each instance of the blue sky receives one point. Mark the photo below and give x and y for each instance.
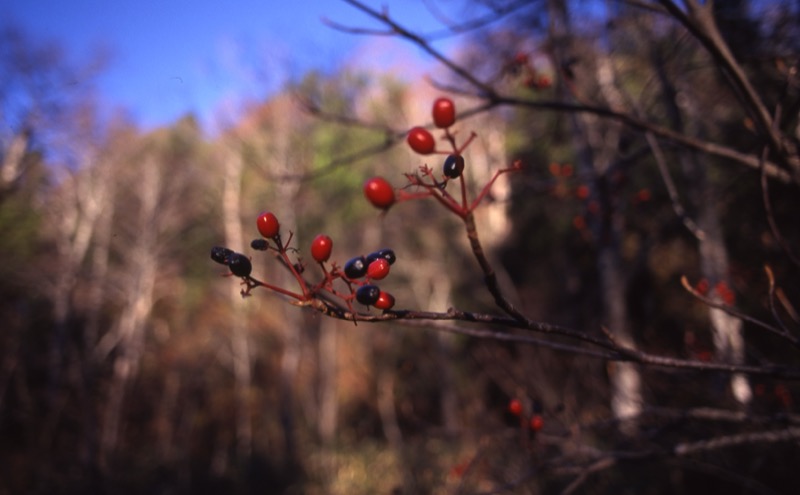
(169, 57)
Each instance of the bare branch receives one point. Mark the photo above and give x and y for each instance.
(484, 89)
(677, 206)
(773, 225)
(738, 314)
(700, 22)
(769, 436)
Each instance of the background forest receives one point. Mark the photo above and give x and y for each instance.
(641, 302)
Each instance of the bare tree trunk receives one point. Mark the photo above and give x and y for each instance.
(726, 329)
(597, 143)
(281, 162)
(242, 368)
(12, 159)
(139, 289)
(165, 418)
(328, 374)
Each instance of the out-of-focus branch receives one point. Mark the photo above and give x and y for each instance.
(773, 225)
(453, 27)
(486, 90)
(617, 353)
(716, 443)
(738, 314)
(677, 206)
(773, 171)
(699, 20)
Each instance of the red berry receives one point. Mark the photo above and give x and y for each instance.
(268, 224)
(378, 269)
(385, 301)
(515, 407)
(421, 141)
(444, 112)
(321, 248)
(379, 192)
(536, 422)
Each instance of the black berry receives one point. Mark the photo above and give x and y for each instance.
(386, 254)
(239, 265)
(220, 254)
(356, 267)
(259, 244)
(453, 166)
(368, 294)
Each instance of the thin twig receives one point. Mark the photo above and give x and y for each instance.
(486, 90)
(699, 20)
(773, 225)
(734, 312)
(770, 436)
(677, 206)
(772, 306)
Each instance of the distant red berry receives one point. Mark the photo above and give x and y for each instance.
(378, 269)
(725, 292)
(421, 141)
(515, 407)
(385, 301)
(642, 196)
(268, 225)
(582, 191)
(537, 422)
(543, 82)
(321, 248)
(444, 112)
(379, 192)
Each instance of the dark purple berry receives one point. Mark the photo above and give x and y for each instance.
(220, 254)
(239, 265)
(386, 254)
(368, 294)
(453, 166)
(356, 267)
(259, 244)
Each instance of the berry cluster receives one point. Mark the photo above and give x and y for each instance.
(353, 282)
(532, 73)
(426, 182)
(535, 422)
